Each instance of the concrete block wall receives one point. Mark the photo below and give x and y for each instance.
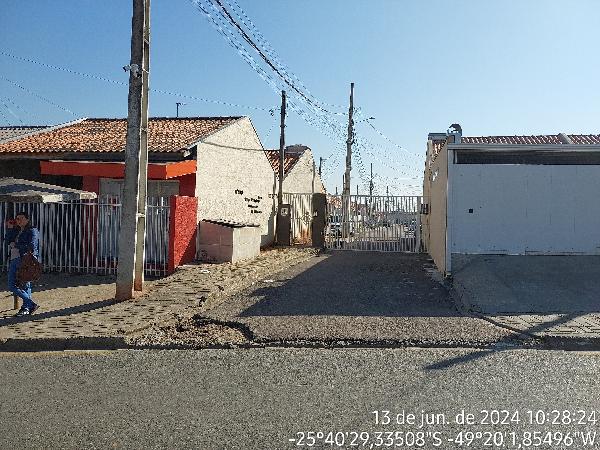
(220, 243)
(234, 179)
(246, 243)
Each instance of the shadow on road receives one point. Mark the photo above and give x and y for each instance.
(356, 284)
(78, 309)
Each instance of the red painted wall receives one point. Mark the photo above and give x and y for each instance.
(91, 184)
(187, 185)
(182, 230)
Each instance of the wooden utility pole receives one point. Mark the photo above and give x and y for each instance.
(130, 270)
(281, 159)
(346, 188)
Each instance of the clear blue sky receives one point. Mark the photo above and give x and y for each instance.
(495, 67)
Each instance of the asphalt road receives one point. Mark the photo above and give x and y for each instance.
(359, 296)
(261, 398)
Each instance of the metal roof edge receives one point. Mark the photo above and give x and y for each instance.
(525, 147)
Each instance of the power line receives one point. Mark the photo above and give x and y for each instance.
(62, 69)
(6, 119)
(281, 73)
(121, 83)
(270, 51)
(11, 112)
(318, 118)
(224, 22)
(32, 115)
(38, 96)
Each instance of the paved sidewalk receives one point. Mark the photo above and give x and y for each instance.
(87, 315)
(554, 298)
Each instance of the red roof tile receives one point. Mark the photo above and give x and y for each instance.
(108, 135)
(290, 159)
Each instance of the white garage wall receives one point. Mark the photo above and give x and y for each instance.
(520, 209)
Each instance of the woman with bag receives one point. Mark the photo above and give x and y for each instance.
(22, 239)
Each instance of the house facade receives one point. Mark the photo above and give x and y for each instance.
(301, 180)
(300, 172)
(219, 160)
(511, 195)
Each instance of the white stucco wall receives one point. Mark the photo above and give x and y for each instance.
(304, 177)
(425, 227)
(234, 178)
(519, 209)
(437, 210)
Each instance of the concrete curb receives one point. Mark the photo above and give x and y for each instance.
(121, 342)
(61, 344)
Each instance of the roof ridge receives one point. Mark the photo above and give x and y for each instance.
(171, 118)
(109, 135)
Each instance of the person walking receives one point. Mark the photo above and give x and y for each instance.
(22, 238)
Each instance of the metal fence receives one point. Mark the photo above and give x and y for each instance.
(381, 223)
(301, 216)
(83, 235)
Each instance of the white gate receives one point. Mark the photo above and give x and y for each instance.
(82, 236)
(380, 222)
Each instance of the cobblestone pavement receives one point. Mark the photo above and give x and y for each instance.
(179, 295)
